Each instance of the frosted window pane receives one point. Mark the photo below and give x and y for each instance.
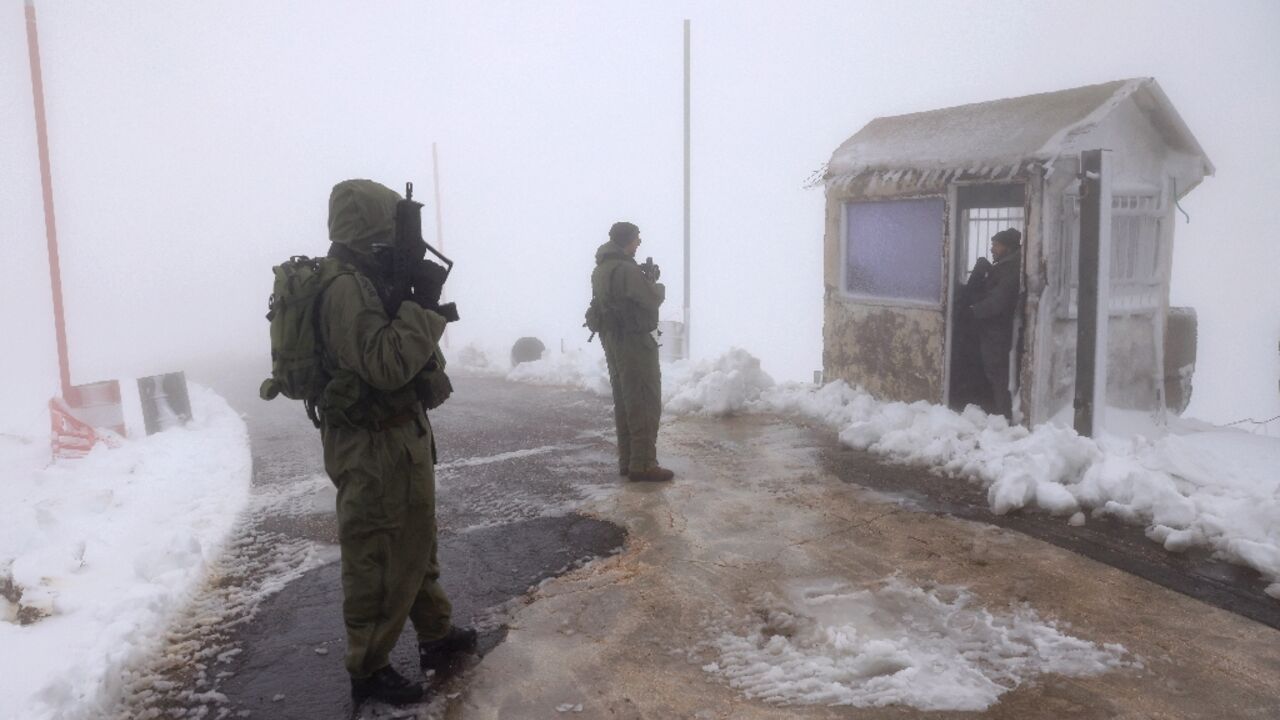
(894, 249)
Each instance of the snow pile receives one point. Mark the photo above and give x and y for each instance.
(577, 368)
(721, 386)
(1216, 488)
(473, 359)
(96, 555)
(713, 387)
(830, 643)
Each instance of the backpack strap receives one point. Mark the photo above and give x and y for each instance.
(614, 299)
(313, 411)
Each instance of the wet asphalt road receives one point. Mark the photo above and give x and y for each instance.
(265, 639)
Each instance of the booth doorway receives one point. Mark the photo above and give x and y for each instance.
(981, 211)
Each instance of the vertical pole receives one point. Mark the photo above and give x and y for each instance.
(1094, 298)
(686, 188)
(46, 187)
(435, 181)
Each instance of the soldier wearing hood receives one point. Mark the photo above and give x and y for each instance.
(624, 302)
(379, 451)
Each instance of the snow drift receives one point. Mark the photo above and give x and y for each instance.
(96, 555)
(1191, 484)
(1194, 485)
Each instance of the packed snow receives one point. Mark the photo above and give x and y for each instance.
(1191, 484)
(719, 386)
(577, 368)
(831, 643)
(472, 359)
(98, 554)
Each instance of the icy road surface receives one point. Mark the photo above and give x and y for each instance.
(767, 581)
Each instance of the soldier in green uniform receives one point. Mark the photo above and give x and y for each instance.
(379, 451)
(625, 304)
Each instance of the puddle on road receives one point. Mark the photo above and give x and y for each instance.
(829, 642)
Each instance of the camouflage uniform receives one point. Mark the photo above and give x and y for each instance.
(631, 353)
(378, 446)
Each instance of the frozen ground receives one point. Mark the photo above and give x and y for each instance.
(1191, 484)
(97, 555)
(832, 642)
(762, 583)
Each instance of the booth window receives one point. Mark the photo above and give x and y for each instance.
(893, 249)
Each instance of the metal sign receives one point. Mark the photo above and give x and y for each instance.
(165, 403)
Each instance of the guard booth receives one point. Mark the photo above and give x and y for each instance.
(913, 200)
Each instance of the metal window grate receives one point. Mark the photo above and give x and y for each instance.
(981, 223)
(1135, 253)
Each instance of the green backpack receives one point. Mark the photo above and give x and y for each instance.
(297, 367)
(604, 312)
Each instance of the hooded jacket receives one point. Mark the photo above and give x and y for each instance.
(373, 354)
(362, 213)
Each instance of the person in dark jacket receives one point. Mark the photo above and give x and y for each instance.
(993, 311)
(969, 384)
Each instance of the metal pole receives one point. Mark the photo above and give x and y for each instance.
(46, 187)
(686, 188)
(435, 175)
(1093, 304)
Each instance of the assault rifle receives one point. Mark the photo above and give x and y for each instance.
(413, 276)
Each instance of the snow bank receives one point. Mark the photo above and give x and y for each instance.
(577, 368)
(1191, 485)
(713, 387)
(97, 554)
(473, 359)
(1194, 486)
(720, 386)
(830, 643)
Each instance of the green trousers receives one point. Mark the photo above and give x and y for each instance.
(387, 532)
(636, 380)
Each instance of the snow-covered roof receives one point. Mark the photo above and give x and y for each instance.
(1003, 135)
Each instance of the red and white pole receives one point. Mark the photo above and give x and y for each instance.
(46, 186)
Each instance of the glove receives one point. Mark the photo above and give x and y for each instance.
(428, 283)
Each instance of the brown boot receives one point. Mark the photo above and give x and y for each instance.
(656, 473)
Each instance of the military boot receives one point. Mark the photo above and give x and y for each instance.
(442, 656)
(657, 473)
(388, 686)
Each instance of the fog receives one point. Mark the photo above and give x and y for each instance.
(194, 144)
